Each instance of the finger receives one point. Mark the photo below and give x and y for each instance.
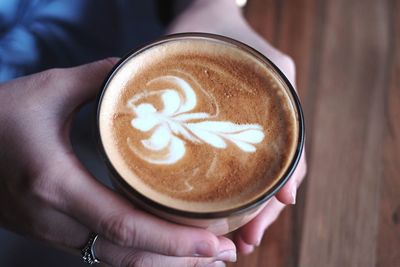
(252, 232)
(243, 247)
(45, 223)
(60, 229)
(287, 194)
(110, 215)
(115, 255)
(81, 84)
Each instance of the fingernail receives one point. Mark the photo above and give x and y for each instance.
(249, 250)
(293, 195)
(204, 249)
(227, 255)
(259, 241)
(217, 264)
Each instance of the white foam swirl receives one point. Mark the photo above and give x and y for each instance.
(172, 123)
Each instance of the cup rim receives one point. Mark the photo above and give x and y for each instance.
(194, 214)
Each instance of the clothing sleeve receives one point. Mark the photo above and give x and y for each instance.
(38, 34)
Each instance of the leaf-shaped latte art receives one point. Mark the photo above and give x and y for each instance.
(214, 133)
(167, 126)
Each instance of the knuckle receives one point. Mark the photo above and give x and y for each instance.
(110, 61)
(303, 172)
(120, 229)
(210, 239)
(52, 74)
(39, 182)
(138, 259)
(37, 186)
(171, 246)
(288, 61)
(40, 186)
(287, 65)
(40, 229)
(196, 262)
(48, 77)
(43, 84)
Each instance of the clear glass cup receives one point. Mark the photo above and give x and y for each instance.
(220, 222)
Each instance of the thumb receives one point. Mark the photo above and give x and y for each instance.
(81, 84)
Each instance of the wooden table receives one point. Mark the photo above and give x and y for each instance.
(347, 54)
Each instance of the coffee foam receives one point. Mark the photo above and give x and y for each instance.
(198, 125)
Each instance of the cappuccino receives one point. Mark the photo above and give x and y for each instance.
(198, 124)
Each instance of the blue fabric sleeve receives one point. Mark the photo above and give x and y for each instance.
(38, 34)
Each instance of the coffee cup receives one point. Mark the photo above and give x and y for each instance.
(199, 129)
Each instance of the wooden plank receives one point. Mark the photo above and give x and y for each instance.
(263, 16)
(273, 250)
(341, 219)
(288, 25)
(389, 224)
(343, 55)
(301, 39)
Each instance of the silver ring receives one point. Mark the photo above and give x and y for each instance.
(88, 254)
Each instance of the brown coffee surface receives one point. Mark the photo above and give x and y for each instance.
(198, 124)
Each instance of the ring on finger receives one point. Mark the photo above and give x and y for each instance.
(88, 251)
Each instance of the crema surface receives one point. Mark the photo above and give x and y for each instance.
(198, 124)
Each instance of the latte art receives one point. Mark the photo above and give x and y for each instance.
(175, 122)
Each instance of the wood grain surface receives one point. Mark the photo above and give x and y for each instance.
(347, 54)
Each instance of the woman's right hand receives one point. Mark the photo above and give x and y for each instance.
(46, 193)
(205, 16)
